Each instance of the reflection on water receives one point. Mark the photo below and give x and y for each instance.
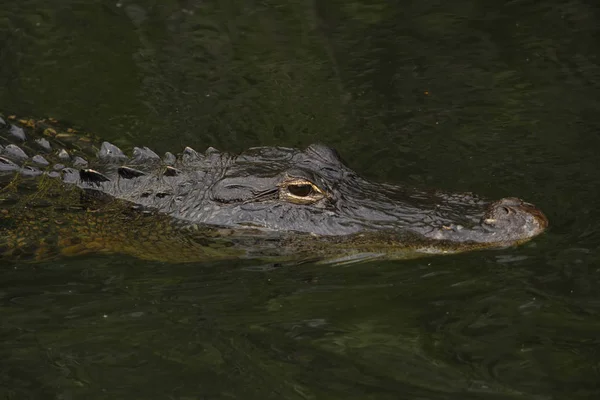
(498, 99)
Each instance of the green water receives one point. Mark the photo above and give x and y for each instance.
(500, 99)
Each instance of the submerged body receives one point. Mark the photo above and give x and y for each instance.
(62, 193)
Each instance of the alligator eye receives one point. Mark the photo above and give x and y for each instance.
(300, 191)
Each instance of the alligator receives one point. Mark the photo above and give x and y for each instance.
(66, 193)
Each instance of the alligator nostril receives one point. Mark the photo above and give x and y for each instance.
(514, 215)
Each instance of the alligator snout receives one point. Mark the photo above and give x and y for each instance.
(512, 219)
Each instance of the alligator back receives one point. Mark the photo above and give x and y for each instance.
(63, 192)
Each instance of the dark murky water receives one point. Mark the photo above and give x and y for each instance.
(499, 99)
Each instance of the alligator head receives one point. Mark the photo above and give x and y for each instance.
(291, 191)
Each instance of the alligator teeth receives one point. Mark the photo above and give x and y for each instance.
(91, 175)
(111, 153)
(129, 173)
(452, 227)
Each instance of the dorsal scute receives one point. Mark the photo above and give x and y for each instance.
(7, 165)
(70, 175)
(17, 133)
(40, 160)
(111, 154)
(211, 150)
(63, 155)
(14, 153)
(171, 171)
(91, 175)
(169, 158)
(30, 170)
(129, 173)
(43, 144)
(144, 155)
(191, 156)
(79, 162)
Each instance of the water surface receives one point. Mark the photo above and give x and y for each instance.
(500, 99)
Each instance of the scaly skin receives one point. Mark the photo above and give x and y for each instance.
(56, 220)
(276, 204)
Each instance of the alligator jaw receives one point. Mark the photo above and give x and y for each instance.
(505, 222)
